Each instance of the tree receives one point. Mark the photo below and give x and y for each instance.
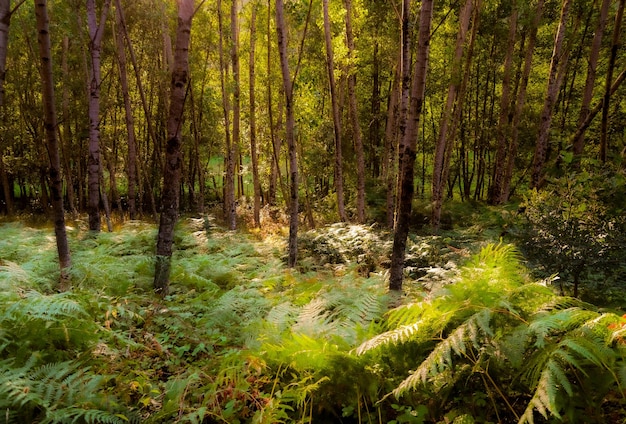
(557, 65)
(281, 33)
(50, 124)
(330, 66)
(253, 145)
(128, 112)
(173, 162)
(408, 146)
(96, 33)
(354, 118)
(451, 114)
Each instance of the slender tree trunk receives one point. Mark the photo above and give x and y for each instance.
(130, 120)
(408, 148)
(5, 20)
(405, 61)
(391, 142)
(96, 32)
(374, 128)
(253, 147)
(173, 161)
(67, 133)
(503, 120)
(330, 66)
(354, 117)
(50, 124)
(235, 147)
(520, 101)
(229, 177)
(446, 134)
(592, 65)
(281, 31)
(557, 64)
(615, 46)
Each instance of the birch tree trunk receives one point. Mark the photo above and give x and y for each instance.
(5, 20)
(354, 117)
(130, 120)
(330, 66)
(446, 135)
(592, 65)
(503, 129)
(281, 32)
(408, 147)
(173, 161)
(557, 63)
(50, 124)
(253, 147)
(615, 46)
(96, 32)
(520, 101)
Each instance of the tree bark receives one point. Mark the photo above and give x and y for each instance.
(520, 101)
(173, 162)
(330, 67)
(235, 147)
(408, 146)
(281, 32)
(253, 147)
(615, 46)
(446, 134)
(50, 124)
(96, 32)
(5, 20)
(557, 63)
(592, 65)
(503, 129)
(130, 120)
(354, 117)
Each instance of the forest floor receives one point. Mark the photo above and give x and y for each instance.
(227, 343)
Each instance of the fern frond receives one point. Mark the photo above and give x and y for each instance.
(35, 305)
(545, 324)
(397, 336)
(544, 398)
(89, 416)
(440, 358)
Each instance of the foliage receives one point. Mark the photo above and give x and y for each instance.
(490, 338)
(576, 229)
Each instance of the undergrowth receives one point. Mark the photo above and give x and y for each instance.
(242, 339)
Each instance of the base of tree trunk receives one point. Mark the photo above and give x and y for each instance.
(162, 275)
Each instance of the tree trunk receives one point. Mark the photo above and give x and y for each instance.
(557, 64)
(592, 65)
(235, 147)
(229, 177)
(615, 46)
(96, 32)
(172, 169)
(354, 117)
(67, 133)
(281, 32)
(391, 142)
(253, 148)
(130, 120)
(503, 130)
(50, 124)
(446, 131)
(330, 66)
(520, 101)
(408, 146)
(5, 20)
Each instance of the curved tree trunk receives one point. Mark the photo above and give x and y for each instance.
(408, 147)
(50, 124)
(173, 161)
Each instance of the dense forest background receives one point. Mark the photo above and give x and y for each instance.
(456, 170)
